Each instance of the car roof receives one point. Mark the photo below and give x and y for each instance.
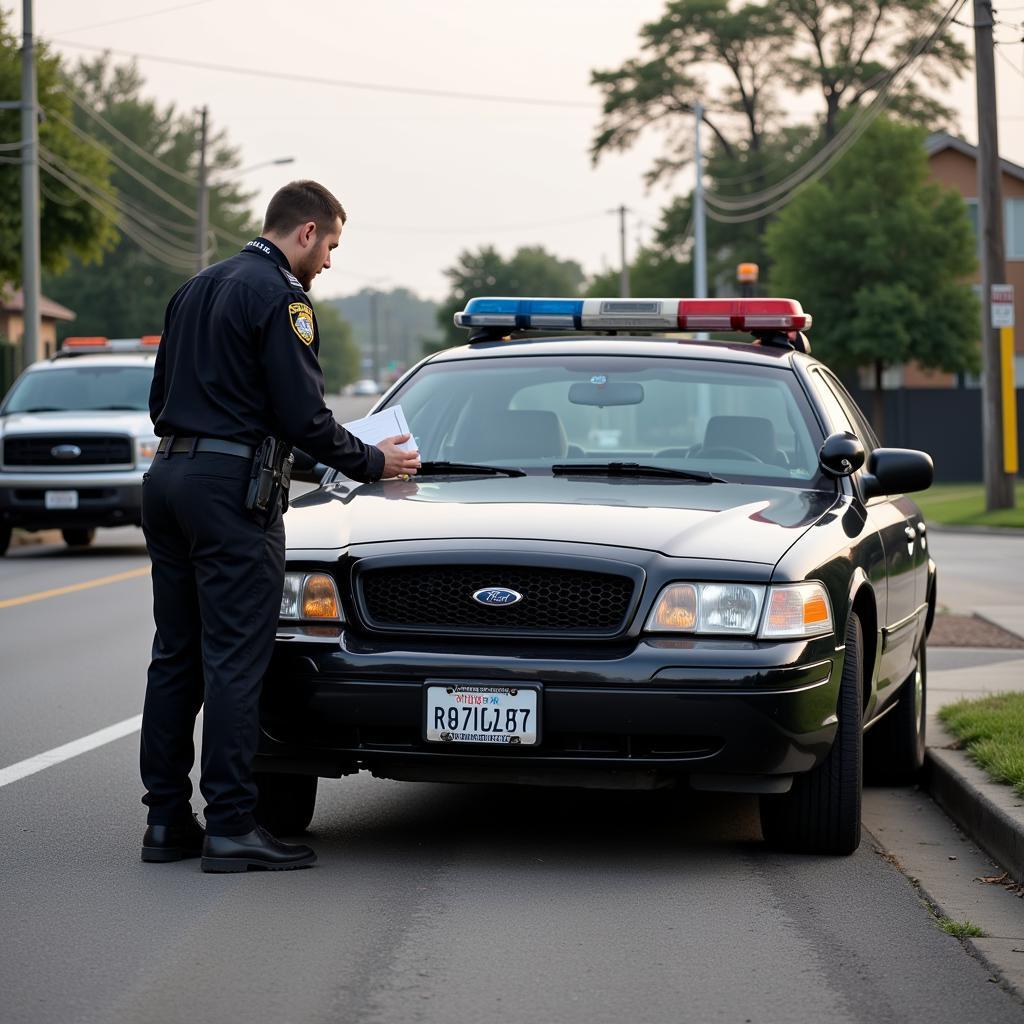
(100, 359)
(620, 345)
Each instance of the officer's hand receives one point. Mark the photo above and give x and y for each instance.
(397, 461)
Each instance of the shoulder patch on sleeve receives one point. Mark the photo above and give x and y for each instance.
(301, 318)
(291, 279)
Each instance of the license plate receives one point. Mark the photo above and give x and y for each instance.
(61, 499)
(482, 714)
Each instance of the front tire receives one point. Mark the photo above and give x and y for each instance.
(286, 802)
(894, 749)
(78, 538)
(821, 813)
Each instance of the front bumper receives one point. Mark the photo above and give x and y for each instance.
(730, 715)
(104, 499)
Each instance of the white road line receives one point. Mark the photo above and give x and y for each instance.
(51, 757)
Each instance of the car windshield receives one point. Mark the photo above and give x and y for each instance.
(738, 422)
(82, 389)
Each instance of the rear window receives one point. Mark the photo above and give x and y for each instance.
(736, 421)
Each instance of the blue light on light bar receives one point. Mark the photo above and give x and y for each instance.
(557, 314)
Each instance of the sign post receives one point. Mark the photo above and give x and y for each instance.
(1003, 321)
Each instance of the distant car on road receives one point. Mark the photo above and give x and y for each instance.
(365, 387)
(75, 439)
(628, 561)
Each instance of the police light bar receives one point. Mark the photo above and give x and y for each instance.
(635, 314)
(88, 345)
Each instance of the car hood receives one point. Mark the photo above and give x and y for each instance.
(738, 522)
(80, 421)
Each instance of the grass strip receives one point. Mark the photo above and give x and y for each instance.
(991, 730)
(961, 929)
(964, 505)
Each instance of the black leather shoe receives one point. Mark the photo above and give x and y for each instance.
(256, 849)
(163, 843)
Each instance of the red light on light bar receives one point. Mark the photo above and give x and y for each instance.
(150, 339)
(743, 315)
(84, 342)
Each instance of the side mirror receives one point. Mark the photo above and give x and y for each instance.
(842, 454)
(897, 471)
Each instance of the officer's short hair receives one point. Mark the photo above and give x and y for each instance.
(299, 202)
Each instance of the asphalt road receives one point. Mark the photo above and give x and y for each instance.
(431, 903)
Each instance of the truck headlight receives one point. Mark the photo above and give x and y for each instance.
(310, 596)
(729, 608)
(145, 449)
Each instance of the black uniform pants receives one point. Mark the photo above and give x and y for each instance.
(217, 582)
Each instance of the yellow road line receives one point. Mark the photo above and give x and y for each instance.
(42, 595)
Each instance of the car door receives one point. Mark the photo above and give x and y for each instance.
(901, 528)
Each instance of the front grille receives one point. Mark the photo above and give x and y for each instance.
(96, 450)
(556, 601)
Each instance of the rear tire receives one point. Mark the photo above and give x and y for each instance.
(78, 538)
(894, 749)
(5, 540)
(821, 813)
(286, 802)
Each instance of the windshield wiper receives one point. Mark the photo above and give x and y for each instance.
(632, 469)
(467, 469)
(41, 408)
(115, 408)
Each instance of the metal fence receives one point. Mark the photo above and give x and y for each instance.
(945, 422)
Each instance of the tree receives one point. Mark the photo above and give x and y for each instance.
(532, 270)
(155, 153)
(68, 224)
(880, 256)
(653, 273)
(340, 358)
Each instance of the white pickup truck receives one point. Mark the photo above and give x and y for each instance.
(76, 438)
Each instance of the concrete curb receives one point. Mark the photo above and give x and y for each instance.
(991, 813)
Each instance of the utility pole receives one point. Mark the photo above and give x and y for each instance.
(620, 212)
(202, 199)
(374, 336)
(700, 255)
(995, 444)
(29, 192)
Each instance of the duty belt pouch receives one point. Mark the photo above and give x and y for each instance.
(270, 479)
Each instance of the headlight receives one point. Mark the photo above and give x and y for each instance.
(310, 595)
(791, 611)
(145, 448)
(797, 610)
(731, 608)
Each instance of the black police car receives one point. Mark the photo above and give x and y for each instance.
(629, 561)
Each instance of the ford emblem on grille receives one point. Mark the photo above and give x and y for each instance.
(66, 451)
(497, 596)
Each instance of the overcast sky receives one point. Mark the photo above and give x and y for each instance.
(423, 177)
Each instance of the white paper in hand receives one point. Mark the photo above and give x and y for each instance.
(378, 427)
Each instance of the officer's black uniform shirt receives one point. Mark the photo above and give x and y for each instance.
(238, 361)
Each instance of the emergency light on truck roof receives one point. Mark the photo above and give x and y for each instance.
(636, 314)
(90, 346)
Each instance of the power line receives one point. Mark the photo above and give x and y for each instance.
(124, 165)
(162, 255)
(1009, 63)
(130, 143)
(821, 162)
(341, 83)
(135, 17)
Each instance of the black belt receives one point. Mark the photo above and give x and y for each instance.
(213, 445)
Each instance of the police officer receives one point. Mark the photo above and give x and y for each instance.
(237, 364)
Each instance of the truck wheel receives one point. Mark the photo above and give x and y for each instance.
(286, 802)
(5, 539)
(78, 538)
(821, 813)
(894, 749)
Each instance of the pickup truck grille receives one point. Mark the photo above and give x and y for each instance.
(556, 602)
(36, 450)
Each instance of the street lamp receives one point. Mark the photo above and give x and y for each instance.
(267, 163)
